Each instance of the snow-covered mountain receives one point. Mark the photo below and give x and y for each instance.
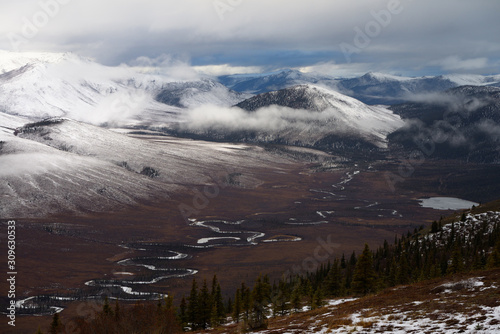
(263, 83)
(61, 165)
(37, 86)
(304, 115)
(377, 88)
(371, 88)
(196, 93)
(65, 85)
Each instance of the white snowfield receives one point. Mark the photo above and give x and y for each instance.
(42, 85)
(70, 166)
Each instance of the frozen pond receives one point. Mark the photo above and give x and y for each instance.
(446, 203)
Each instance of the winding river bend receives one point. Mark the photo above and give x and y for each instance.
(137, 285)
(161, 261)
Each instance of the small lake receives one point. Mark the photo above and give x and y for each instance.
(446, 203)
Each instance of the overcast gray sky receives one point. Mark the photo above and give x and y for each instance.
(341, 37)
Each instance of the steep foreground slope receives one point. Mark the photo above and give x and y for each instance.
(461, 304)
(467, 300)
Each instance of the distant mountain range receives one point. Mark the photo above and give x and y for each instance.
(304, 115)
(37, 86)
(291, 107)
(371, 88)
(462, 122)
(196, 93)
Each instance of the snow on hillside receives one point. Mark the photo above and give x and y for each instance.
(462, 305)
(266, 82)
(64, 85)
(303, 114)
(8, 123)
(13, 60)
(196, 93)
(474, 226)
(371, 88)
(42, 85)
(66, 166)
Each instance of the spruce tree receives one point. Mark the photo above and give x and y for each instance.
(260, 299)
(295, 299)
(193, 313)
(183, 314)
(117, 310)
(245, 301)
(494, 257)
(106, 309)
(216, 299)
(56, 325)
(205, 306)
(317, 300)
(457, 264)
(237, 306)
(403, 271)
(392, 279)
(364, 277)
(343, 263)
(333, 283)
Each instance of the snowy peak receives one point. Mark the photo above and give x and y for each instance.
(259, 84)
(373, 77)
(336, 110)
(308, 97)
(304, 115)
(370, 88)
(196, 93)
(13, 60)
(39, 86)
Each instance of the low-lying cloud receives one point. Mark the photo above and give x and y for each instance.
(268, 119)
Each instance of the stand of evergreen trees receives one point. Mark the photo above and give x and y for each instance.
(414, 257)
